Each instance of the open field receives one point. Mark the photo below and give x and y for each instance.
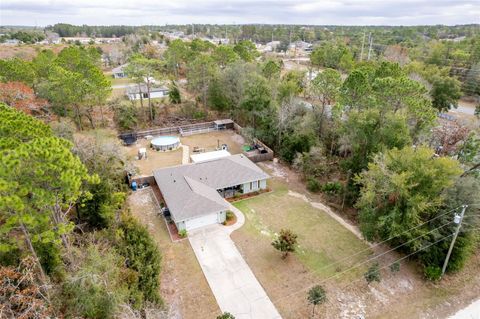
(322, 241)
(208, 141)
(183, 285)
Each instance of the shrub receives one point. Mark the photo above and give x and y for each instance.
(229, 215)
(313, 185)
(174, 93)
(226, 315)
(395, 267)
(183, 233)
(126, 117)
(285, 242)
(432, 272)
(96, 288)
(373, 274)
(332, 188)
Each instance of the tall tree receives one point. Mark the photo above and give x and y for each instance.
(200, 75)
(40, 183)
(144, 72)
(401, 190)
(325, 88)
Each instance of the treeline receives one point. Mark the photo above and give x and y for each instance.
(69, 30)
(29, 37)
(68, 245)
(385, 34)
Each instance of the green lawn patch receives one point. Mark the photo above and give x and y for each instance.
(321, 239)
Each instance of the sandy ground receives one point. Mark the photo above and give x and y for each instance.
(207, 141)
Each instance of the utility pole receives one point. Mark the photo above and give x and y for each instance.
(457, 220)
(370, 48)
(363, 45)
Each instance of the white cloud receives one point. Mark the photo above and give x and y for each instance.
(338, 12)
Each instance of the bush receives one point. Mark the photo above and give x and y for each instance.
(373, 274)
(432, 273)
(285, 242)
(174, 94)
(395, 267)
(183, 233)
(97, 287)
(313, 185)
(229, 215)
(332, 188)
(126, 117)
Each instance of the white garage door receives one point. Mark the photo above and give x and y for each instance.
(201, 221)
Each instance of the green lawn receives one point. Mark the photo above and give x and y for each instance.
(322, 240)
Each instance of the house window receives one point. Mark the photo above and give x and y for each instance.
(254, 185)
(145, 95)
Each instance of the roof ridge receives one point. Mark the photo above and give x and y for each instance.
(190, 180)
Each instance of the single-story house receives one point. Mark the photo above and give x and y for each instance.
(119, 72)
(135, 92)
(195, 193)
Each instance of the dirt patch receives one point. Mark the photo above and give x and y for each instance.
(154, 159)
(183, 285)
(210, 141)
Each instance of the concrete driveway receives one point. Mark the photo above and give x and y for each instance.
(233, 284)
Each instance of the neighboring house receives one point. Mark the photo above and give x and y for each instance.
(134, 92)
(118, 72)
(194, 193)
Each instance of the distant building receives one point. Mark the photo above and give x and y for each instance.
(12, 41)
(119, 72)
(135, 92)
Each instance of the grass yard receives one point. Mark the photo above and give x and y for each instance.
(322, 241)
(183, 285)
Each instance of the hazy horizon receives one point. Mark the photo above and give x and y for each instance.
(305, 12)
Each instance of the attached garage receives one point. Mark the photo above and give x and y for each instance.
(201, 221)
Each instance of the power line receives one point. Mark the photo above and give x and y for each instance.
(363, 262)
(388, 265)
(380, 243)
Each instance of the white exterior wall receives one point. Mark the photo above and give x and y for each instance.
(153, 95)
(254, 186)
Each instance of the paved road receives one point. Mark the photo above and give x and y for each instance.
(233, 284)
(470, 312)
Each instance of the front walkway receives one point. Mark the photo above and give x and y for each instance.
(233, 284)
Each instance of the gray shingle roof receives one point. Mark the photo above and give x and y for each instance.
(135, 89)
(191, 190)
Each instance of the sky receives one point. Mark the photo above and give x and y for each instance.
(160, 12)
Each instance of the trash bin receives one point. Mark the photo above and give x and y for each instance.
(134, 186)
